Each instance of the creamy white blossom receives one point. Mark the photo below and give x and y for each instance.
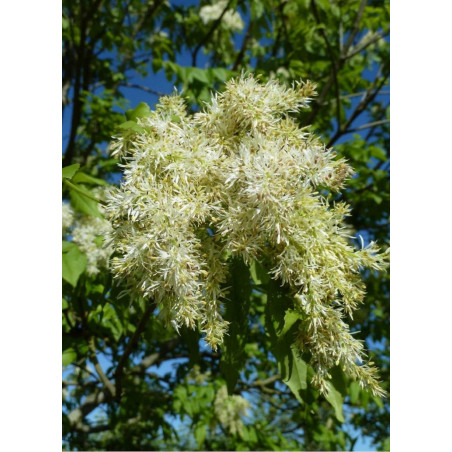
(240, 179)
(231, 19)
(67, 215)
(88, 232)
(230, 409)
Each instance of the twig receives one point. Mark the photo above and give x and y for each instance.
(366, 126)
(131, 344)
(143, 88)
(241, 54)
(369, 97)
(361, 46)
(209, 33)
(342, 59)
(333, 60)
(103, 378)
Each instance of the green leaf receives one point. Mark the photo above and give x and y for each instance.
(74, 264)
(142, 110)
(354, 392)
(378, 153)
(87, 179)
(221, 74)
(69, 356)
(200, 75)
(83, 203)
(290, 317)
(293, 370)
(99, 241)
(336, 400)
(67, 246)
(69, 171)
(131, 125)
(65, 304)
(200, 434)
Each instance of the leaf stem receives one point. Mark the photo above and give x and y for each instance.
(82, 192)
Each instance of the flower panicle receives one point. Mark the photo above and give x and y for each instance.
(240, 179)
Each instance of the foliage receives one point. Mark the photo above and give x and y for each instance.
(131, 383)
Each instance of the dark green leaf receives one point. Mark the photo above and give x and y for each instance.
(258, 273)
(236, 312)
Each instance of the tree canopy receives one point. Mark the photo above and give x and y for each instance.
(132, 381)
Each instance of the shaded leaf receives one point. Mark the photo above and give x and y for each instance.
(258, 273)
(236, 312)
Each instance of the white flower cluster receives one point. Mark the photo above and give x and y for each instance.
(230, 409)
(87, 232)
(231, 19)
(240, 179)
(68, 215)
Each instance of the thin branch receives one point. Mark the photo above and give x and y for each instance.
(241, 54)
(370, 124)
(119, 372)
(92, 428)
(143, 88)
(103, 378)
(333, 60)
(360, 94)
(368, 98)
(364, 44)
(90, 403)
(209, 33)
(153, 358)
(355, 29)
(321, 99)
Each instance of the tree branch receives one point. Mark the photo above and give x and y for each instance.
(369, 97)
(143, 88)
(355, 29)
(150, 360)
(209, 33)
(334, 62)
(119, 372)
(362, 45)
(321, 99)
(103, 378)
(370, 124)
(241, 54)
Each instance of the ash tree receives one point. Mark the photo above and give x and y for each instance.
(225, 246)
